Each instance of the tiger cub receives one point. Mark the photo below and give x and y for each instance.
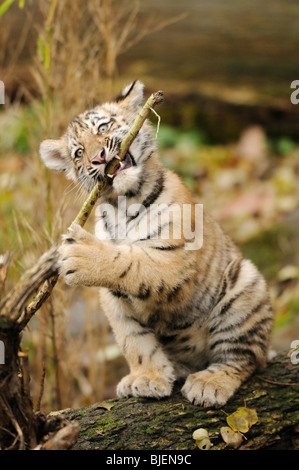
(179, 310)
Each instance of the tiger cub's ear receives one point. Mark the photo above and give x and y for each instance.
(54, 154)
(131, 98)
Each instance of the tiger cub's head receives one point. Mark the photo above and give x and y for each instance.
(93, 138)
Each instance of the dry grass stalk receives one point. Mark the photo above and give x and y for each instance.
(120, 29)
(5, 261)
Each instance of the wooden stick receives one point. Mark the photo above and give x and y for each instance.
(89, 203)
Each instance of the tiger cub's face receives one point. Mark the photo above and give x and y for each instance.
(93, 138)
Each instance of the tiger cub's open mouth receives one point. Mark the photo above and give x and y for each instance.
(126, 163)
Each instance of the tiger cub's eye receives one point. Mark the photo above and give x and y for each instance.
(103, 128)
(79, 153)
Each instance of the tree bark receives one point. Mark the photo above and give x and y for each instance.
(168, 424)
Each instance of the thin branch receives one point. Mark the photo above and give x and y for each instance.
(9, 413)
(41, 391)
(150, 30)
(39, 299)
(286, 384)
(128, 27)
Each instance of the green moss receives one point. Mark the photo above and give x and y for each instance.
(102, 424)
(108, 423)
(83, 411)
(154, 424)
(90, 431)
(149, 430)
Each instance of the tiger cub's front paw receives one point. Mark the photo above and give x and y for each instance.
(143, 386)
(79, 257)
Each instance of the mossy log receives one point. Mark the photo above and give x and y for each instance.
(168, 424)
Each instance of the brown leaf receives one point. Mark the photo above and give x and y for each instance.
(105, 405)
(231, 438)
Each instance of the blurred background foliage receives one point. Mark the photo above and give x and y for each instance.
(227, 127)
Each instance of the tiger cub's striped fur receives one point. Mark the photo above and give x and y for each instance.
(202, 315)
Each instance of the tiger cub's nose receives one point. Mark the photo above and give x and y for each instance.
(99, 158)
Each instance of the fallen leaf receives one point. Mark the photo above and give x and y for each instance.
(105, 405)
(242, 419)
(201, 437)
(200, 433)
(231, 438)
